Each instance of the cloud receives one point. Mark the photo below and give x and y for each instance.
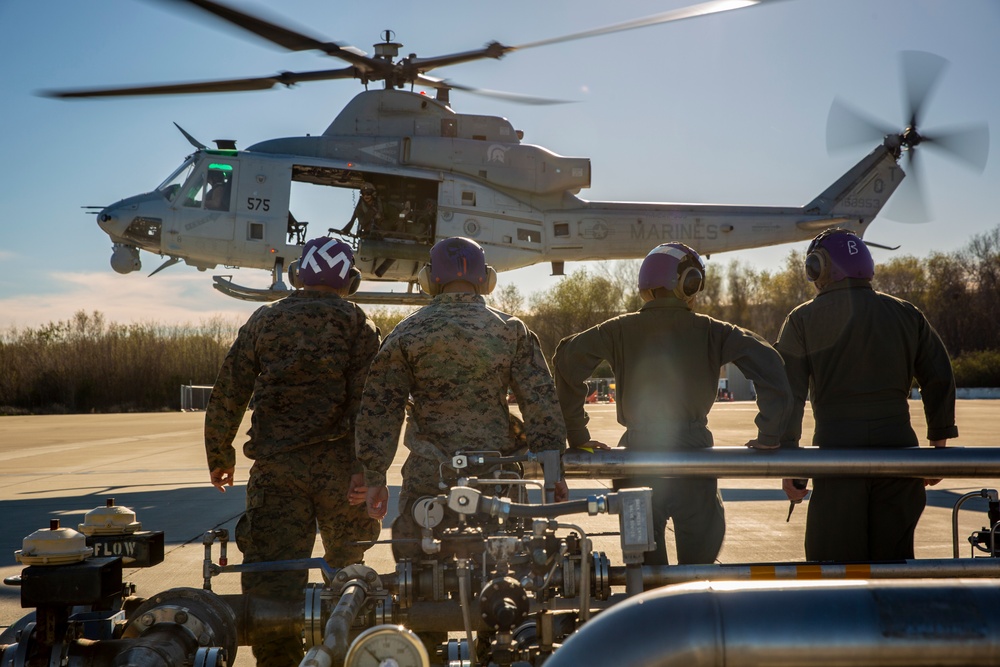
(168, 299)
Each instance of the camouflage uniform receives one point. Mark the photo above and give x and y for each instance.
(304, 359)
(856, 352)
(666, 360)
(457, 358)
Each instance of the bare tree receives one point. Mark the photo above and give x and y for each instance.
(578, 302)
(507, 299)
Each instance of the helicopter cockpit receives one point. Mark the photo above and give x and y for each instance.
(172, 184)
(210, 189)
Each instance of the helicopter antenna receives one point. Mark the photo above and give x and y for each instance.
(194, 142)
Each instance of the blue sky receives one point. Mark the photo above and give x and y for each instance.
(727, 109)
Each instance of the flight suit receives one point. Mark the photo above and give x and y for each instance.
(457, 358)
(858, 352)
(666, 360)
(370, 217)
(304, 359)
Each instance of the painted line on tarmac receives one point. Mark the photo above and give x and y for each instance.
(69, 446)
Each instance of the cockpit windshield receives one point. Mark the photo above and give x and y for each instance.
(172, 185)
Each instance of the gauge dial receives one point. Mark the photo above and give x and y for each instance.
(387, 646)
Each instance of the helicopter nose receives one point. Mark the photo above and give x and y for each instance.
(112, 221)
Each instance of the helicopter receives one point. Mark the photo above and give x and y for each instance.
(440, 173)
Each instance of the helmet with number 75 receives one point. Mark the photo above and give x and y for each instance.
(329, 262)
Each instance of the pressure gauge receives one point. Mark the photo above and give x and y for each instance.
(387, 646)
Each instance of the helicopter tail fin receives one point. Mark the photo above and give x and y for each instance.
(863, 190)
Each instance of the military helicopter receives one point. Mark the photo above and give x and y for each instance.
(439, 173)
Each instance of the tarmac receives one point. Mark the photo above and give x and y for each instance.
(66, 465)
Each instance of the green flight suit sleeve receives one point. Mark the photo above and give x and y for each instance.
(792, 350)
(575, 360)
(934, 375)
(762, 365)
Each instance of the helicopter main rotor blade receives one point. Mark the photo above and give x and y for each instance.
(517, 98)
(494, 50)
(198, 87)
(287, 38)
(408, 70)
(498, 50)
(693, 11)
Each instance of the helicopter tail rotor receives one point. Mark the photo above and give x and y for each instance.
(968, 145)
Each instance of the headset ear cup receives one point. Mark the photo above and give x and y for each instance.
(355, 281)
(815, 265)
(424, 280)
(689, 283)
(491, 281)
(293, 274)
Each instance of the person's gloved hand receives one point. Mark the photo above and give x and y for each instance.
(757, 444)
(590, 446)
(795, 492)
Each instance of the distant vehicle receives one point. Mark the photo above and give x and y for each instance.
(601, 390)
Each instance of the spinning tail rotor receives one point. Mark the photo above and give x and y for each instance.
(968, 144)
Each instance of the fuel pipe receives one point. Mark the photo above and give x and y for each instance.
(823, 624)
(335, 642)
(806, 462)
(922, 568)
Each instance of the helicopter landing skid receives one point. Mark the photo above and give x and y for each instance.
(225, 285)
(229, 288)
(391, 298)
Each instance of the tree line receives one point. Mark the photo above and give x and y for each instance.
(86, 364)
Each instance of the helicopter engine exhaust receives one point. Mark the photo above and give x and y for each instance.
(125, 258)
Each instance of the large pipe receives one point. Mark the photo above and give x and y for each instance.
(258, 618)
(821, 624)
(930, 462)
(335, 642)
(654, 576)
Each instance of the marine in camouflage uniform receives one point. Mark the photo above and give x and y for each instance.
(457, 358)
(666, 360)
(304, 359)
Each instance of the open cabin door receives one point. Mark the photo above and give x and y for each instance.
(391, 243)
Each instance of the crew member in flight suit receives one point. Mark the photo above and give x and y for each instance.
(666, 360)
(457, 358)
(856, 352)
(369, 212)
(304, 359)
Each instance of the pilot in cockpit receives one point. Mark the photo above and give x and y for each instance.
(217, 198)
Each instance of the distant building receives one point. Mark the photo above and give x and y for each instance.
(738, 386)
